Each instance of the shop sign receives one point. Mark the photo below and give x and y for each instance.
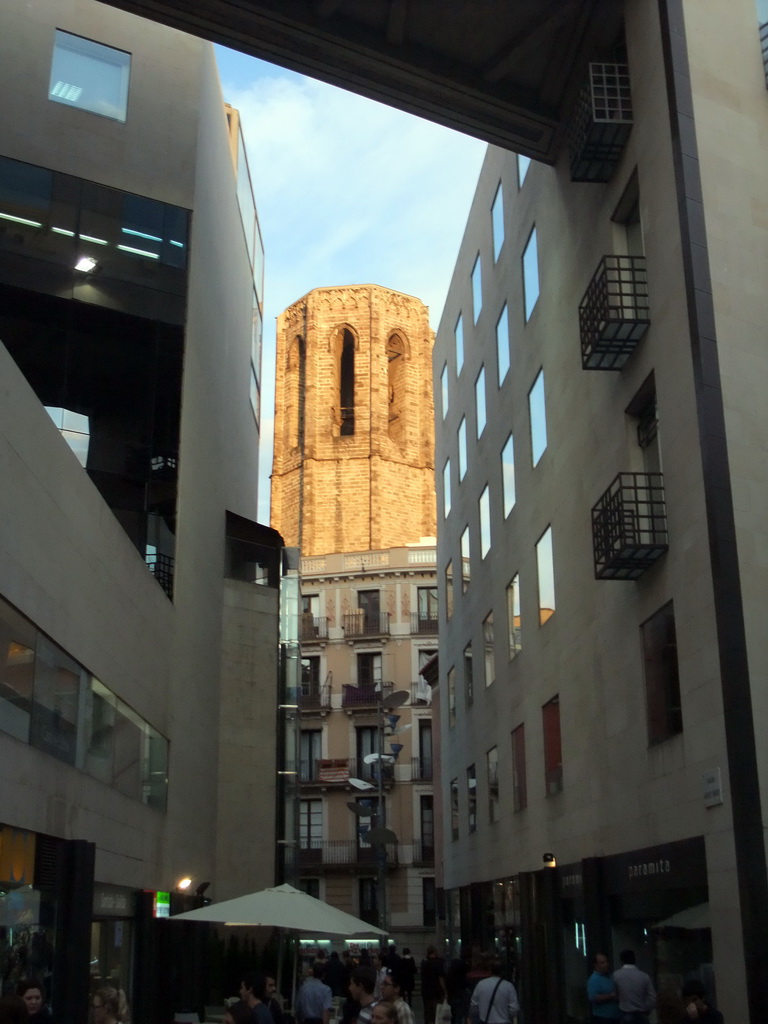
(713, 788)
(17, 856)
(681, 865)
(162, 904)
(571, 882)
(112, 901)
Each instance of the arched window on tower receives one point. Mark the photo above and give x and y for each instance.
(296, 390)
(396, 387)
(347, 384)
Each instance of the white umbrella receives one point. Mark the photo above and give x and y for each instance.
(282, 907)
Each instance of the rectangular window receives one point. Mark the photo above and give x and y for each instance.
(425, 748)
(513, 615)
(428, 902)
(369, 907)
(366, 742)
(546, 570)
(497, 223)
(89, 75)
(427, 826)
(369, 603)
(508, 475)
(311, 886)
(369, 671)
(553, 756)
(458, 334)
(463, 448)
(446, 488)
(444, 390)
(426, 600)
(523, 163)
(477, 289)
(451, 697)
(490, 658)
(310, 676)
(492, 770)
(465, 563)
(469, 675)
(480, 401)
(530, 274)
(55, 713)
(311, 824)
(485, 522)
(502, 344)
(310, 752)
(519, 783)
(538, 417)
(454, 809)
(662, 680)
(449, 591)
(472, 799)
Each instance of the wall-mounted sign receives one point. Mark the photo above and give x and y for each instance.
(162, 904)
(713, 789)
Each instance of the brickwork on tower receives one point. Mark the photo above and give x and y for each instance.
(354, 434)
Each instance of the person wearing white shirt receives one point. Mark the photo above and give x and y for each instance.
(494, 1000)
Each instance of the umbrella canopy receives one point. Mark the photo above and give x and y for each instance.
(282, 907)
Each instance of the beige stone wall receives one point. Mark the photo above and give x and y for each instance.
(374, 489)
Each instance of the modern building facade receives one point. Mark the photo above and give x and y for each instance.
(600, 442)
(353, 487)
(139, 660)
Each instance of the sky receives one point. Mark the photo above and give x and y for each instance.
(348, 191)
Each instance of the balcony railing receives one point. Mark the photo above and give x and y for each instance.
(161, 566)
(362, 623)
(421, 692)
(764, 48)
(314, 696)
(421, 769)
(370, 772)
(313, 627)
(326, 771)
(423, 853)
(366, 695)
(614, 313)
(342, 853)
(629, 526)
(601, 123)
(424, 624)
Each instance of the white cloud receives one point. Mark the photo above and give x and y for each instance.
(348, 191)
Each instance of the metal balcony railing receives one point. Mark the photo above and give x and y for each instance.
(326, 771)
(314, 696)
(764, 48)
(601, 123)
(161, 566)
(344, 853)
(365, 695)
(313, 627)
(614, 313)
(370, 772)
(421, 769)
(629, 526)
(424, 624)
(362, 623)
(423, 853)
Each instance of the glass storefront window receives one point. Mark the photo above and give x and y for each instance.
(55, 702)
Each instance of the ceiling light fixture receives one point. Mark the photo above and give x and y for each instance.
(86, 264)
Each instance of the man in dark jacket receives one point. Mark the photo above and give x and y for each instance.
(432, 983)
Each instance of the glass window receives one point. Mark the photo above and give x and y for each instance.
(75, 430)
(472, 798)
(451, 696)
(17, 672)
(447, 488)
(465, 564)
(454, 808)
(90, 76)
(155, 769)
(463, 448)
(428, 903)
(485, 522)
(444, 390)
(469, 675)
(256, 337)
(508, 475)
(254, 395)
(492, 771)
(459, 338)
(502, 344)
(56, 702)
(513, 615)
(523, 163)
(310, 824)
(477, 289)
(546, 567)
(100, 732)
(553, 757)
(530, 274)
(537, 412)
(662, 680)
(519, 785)
(128, 778)
(497, 222)
(449, 591)
(245, 197)
(480, 401)
(490, 658)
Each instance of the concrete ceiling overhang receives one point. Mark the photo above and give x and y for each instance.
(507, 71)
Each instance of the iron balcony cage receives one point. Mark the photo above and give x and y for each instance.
(614, 313)
(601, 123)
(629, 526)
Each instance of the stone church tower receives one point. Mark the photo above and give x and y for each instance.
(354, 436)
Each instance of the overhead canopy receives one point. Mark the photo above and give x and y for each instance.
(282, 907)
(506, 71)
